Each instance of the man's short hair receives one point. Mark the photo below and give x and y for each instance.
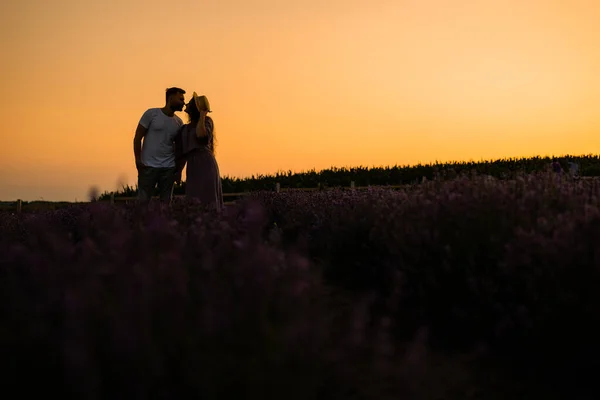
(173, 90)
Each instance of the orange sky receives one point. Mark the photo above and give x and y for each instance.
(293, 84)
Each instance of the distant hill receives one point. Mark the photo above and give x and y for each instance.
(589, 165)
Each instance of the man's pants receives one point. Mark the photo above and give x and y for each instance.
(149, 178)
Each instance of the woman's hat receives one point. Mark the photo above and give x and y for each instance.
(201, 102)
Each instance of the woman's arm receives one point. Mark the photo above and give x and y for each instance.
(180, 159)
(179, 165)
(201, 126)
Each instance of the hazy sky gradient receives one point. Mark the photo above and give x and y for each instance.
(293, 84)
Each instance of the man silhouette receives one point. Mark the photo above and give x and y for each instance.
(155, 159)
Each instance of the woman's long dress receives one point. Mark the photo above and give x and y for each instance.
(203, 180)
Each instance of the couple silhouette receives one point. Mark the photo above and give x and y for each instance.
(163, 145)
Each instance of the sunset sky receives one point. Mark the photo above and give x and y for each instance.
(294, 85)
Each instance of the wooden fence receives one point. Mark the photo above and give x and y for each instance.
(278, 189)
(228, 197)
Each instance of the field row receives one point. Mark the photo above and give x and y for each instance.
(447, 289)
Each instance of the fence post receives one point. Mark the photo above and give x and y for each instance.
(352, 185)
(19, 206)
(277, 187)
(112, 198)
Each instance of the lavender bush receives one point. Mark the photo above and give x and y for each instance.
(108, 302)
(511, 265)
(334, 294)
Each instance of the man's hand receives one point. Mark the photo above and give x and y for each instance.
(139, 165)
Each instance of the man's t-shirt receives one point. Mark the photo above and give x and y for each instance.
(157, 147)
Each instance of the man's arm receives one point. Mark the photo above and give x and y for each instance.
(140, 132)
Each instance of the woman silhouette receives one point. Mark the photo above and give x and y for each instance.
(195, 147)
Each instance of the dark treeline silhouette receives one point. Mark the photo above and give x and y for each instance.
(589, 165)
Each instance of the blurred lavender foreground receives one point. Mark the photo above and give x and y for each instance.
(457, 289)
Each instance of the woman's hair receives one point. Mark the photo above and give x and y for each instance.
(194, 118)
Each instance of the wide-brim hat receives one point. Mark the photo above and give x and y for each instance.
(201, 102)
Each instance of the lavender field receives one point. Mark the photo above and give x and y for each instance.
(462, 288)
